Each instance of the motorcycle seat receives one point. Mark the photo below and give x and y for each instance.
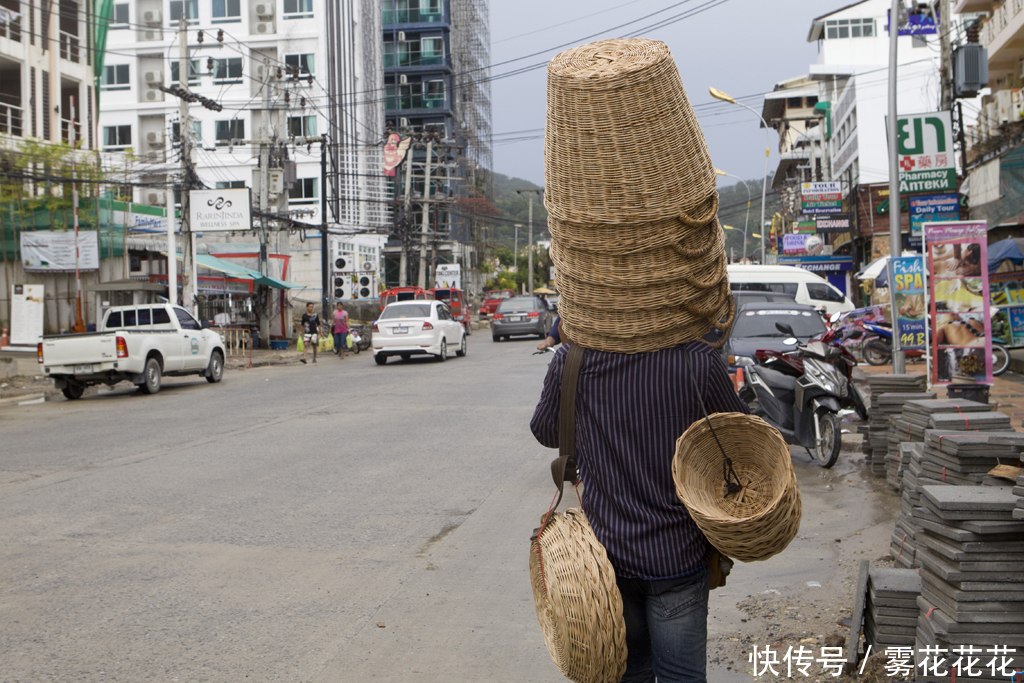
(776, 379)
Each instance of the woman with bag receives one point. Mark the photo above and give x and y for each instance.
(340, 329)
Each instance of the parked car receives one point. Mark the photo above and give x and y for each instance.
(754, 328)
(741, 299)
(390, 296)
(492, 299)
(457, 303)
(140, 344)
(806, 287)
(411, 328)
(519, 316)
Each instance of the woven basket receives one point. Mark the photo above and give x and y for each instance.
(578, 602)
(763, 520)
(622, 144)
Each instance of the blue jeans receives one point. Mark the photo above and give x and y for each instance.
(666, 629)
(339, 341)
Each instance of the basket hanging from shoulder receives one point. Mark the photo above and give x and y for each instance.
(578, 602)
(764, 516)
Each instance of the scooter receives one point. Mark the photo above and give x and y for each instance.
(800, 393)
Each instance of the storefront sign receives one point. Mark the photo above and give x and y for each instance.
(48, 251)
(925, 145)
(932, 208)
(448, 275)
(907, 282)
(817, 198)
(801, 227)
(839, 222)
(819, 264)
(26, 314)
(794, 244)
(220, 210)
(961, 329)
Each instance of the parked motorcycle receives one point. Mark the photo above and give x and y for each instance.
(802, 392)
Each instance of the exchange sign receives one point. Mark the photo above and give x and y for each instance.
(925, 146)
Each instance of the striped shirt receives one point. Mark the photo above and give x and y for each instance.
(630, 410)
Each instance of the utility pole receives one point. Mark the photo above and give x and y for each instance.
(529, 240)
(422, 280)
(79, 325)
(895, 238)
(188, 240)
(403, 267)
(945, 55)
(325, 256)
(264, 207)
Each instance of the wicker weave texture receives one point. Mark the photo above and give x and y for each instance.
(764, 517)
(622, 143)
(578, 602)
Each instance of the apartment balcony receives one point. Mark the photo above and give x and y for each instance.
(65, 132)
(10, 30)
(70, 48)
(11, 118)
(1002, 35)
(406, 60)
(413, 105)
(412, 16)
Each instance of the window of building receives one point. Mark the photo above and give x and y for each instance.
(227, 10)
(197, 132)
(227, 70)
(230, 185)
(120, 17)
(298, 9)
(305, 63)
(227, 131)
(433, 94)
(193, 72)
(299, 126)
(117, 137)
(431, 51)
(115, 77)
(304, 191)
(191, 8)
(849, 28)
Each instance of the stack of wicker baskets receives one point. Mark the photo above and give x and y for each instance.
(630, 190)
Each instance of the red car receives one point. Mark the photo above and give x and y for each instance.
(457, 304)
(401, 294)
(492, 299)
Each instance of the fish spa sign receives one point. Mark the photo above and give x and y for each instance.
(219, 210)
(925, 146)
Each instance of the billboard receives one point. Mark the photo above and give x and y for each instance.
(925, 150)
(907, 284)
(220, 210)
(818, 198)
(932, 208)
(51, 251)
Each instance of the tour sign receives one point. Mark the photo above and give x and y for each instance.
(818, 198)
(925, 146)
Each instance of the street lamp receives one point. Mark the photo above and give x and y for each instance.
(746, 220)
(719, 95)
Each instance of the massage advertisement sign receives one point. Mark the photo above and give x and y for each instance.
(908, 287)
(961, 329)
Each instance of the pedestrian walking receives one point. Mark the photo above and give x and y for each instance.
(310, 331)
(340, 329)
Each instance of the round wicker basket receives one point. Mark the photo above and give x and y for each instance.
(578, 602)
(622, 143)
(764, 517)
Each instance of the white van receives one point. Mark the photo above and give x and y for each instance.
(803, 285)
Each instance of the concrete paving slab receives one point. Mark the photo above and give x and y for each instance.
(956, 594)
(949, 572)
(964, 498)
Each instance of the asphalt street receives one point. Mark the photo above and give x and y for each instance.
(330, 522)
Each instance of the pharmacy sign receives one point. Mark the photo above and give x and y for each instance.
(925, 146)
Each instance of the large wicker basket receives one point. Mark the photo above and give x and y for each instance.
(578, 602)
(764, 517)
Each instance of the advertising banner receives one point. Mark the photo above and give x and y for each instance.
(800, 227)
(932, 208)
(220, 210)
(448, 275)
(793, 244)
(925, 146)
(1016, 315)
(26, 314)
(818, 198)
(907, 283)
(49, 251)
(961, 329)
(839, 222)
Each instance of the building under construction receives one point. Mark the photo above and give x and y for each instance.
(437, 91)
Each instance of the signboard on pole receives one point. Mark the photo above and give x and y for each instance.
(220, 210)
(839, 222)
(907, 283)
(26, 314)
(49, 250)
(925, 149)
(932, 208)
(818, 198)
(961, 339)
(819, 264)
(800, 227)
(448, 275)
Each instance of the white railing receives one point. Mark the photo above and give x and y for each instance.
(11, 119)
(69, 47)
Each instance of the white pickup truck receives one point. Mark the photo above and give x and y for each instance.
(136, 343)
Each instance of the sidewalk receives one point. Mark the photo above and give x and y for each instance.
(1007, 390)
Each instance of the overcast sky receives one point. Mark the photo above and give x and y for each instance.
(742, 47)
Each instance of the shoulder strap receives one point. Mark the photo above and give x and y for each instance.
(563, 468)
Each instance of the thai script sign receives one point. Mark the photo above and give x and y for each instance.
(925, 149)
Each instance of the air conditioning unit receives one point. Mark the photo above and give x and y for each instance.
(368, 265)
(401, 36)
(403, 123)
(151, 35)
(340, 263)
(154, 78)
(264, 71)
(265, 10)
(264, 27)
(1018, 105)
(156, 199)
(342, 285)
(153, 157)
(1004, 105)
(153, 17)
(155, 138)
(403, 80)
(154, 96)
(364, 288)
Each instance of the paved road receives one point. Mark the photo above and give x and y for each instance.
(331, 522)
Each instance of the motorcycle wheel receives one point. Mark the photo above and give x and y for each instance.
(356, 347)
(826, 451)
(1000, 359)
(877, 353)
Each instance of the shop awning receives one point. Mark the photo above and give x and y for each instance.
(238, 271)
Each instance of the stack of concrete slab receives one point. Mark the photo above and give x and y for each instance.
(971, 553)
(1018, 490)
(884, 407)
(875, 435)
(890, 617)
